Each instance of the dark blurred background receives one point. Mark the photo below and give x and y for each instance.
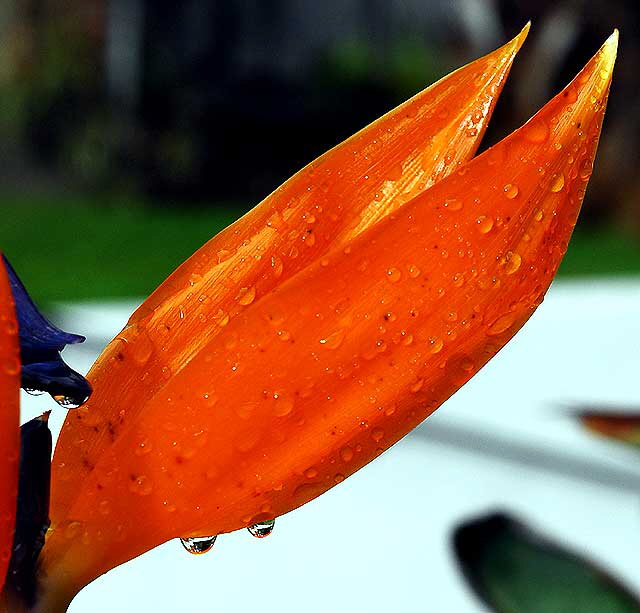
(133, 130)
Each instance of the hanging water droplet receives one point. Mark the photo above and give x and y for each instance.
(262, 529)
(70, 402)
(199, 544)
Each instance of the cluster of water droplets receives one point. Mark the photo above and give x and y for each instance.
(202, 544)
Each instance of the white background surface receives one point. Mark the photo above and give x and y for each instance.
(380, 540)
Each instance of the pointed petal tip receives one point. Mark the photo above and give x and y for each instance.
(609, 52)
(522, 36)
(515, 44)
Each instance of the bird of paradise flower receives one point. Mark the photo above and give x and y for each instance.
(319, 329)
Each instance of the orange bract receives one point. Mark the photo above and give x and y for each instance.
(335, 197)
(314, 375)
(9, 420)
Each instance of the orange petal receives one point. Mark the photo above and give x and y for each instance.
(346, 357)
(338, 195)
(9, 421)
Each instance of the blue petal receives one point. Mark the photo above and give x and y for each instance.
(40, 345)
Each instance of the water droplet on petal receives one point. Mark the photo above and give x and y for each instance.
(333, 340)
(485, 224)
(586, 169)
(510, 191)
(283, 405)
(142, 348)
(557, 183)
(394, 275)
(407, 339)
(246, 295)
(536, 131)
(500, 325)
(435, 345)
(143, 448)
(458, 279)
(72, 529)
(262, 529)
(141, 485)
(12, 366)
(467, 364)
(512, 262)
(221, 318)
(276, 264)
(199, 544)
(453, 204)
(346, 453)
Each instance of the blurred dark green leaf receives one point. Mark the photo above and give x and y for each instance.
(512, 569)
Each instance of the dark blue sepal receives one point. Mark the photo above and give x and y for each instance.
(32, 513)
(40, 345)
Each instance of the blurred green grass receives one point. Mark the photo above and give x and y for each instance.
(81, 249)
(110, 248)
